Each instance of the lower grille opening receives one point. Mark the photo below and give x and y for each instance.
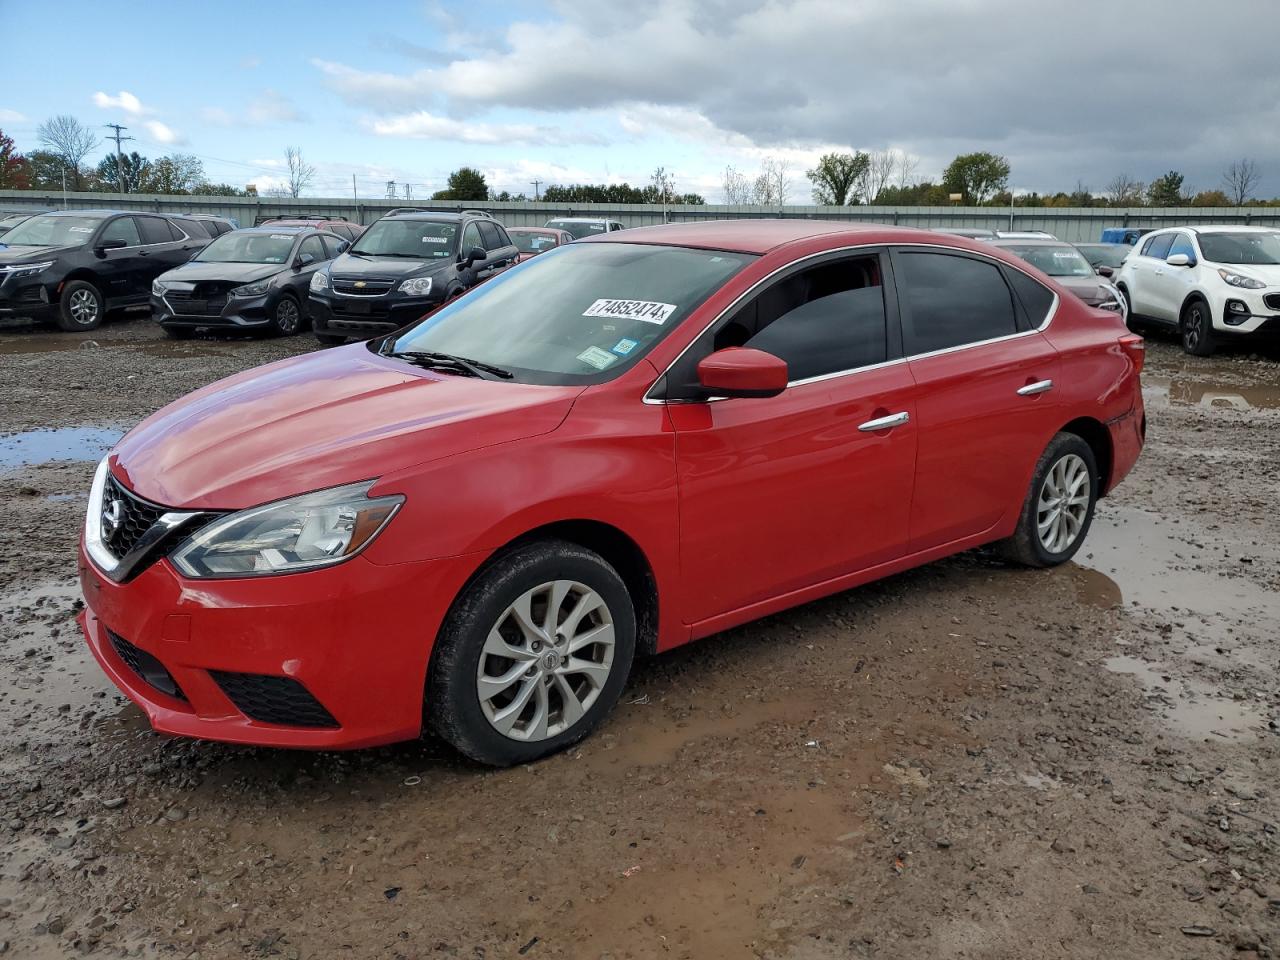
(146, 666)
(269, 699)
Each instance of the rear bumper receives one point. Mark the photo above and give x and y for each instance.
(346, 640)
(1128, 436)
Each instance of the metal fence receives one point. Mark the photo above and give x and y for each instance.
(1067, 223)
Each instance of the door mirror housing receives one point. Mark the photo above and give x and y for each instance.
(119, 243)
(303, 260)
(476, 255)
(1105, 271)
(742, 372)
(1181, 260)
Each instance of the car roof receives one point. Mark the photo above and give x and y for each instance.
(434, 215)
(1226, 228)
(279, 228)
(582, 220)
(1032, 242)
(762, 236)
(535, 229)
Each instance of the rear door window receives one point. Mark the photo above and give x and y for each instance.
(155, 230)
(493, 239)
(950, 301)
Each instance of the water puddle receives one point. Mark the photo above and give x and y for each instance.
(1188, 707)
(71, 444)
(47, 343)
(1206, 390)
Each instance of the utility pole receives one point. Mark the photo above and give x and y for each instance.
(354, 195)
(535, 184)
(64, 186)
(119, 157)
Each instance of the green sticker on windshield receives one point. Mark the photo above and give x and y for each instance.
(596, 357)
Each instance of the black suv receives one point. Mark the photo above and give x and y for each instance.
(72, 266)
(403, 267)
(246, 279)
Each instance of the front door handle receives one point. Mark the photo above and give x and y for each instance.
(885, 423)
(1031, 389)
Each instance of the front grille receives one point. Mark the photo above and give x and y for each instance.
(136, 517)
(205, 299)
(1272, 300)
(268, 699)
(151, 670)
(362, 286)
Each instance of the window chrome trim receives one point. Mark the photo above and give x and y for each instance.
(1048, 319)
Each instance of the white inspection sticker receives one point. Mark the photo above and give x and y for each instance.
(596, 357)
(281, 236)
(645, 310)
(435, 239)
(79, 229)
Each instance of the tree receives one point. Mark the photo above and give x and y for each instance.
(465, 183)
(13, 166)
(663, 186)
(178, 173)
(879, 173)
(301, 173)
(772, 184)
(836, 178)
(737, 188)
(72, 141)
(1081, 196)
(1240, 179)
(1125, 191)
(131, 168)
(1211, 198)
(906, 170)
(207, 189)
(976, 176)
(1166, 191)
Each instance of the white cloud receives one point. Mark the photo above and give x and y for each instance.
(424, 125)
(163, 133)
(11, 116)
(124, 100)
(267, 109)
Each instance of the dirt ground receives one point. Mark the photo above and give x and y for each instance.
(968, 760)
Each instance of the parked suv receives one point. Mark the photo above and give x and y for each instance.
(581, 227)
(246, 279)
(1211, 283)
(72, 266)
(402, 267)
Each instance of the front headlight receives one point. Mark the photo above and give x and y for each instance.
(158, 288)
(416, 286)
(1240, 280)
(320, 280)
(27, 269)
(255, 289)
(301, 533)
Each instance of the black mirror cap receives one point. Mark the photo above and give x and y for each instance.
(476, 255)
(119, 243)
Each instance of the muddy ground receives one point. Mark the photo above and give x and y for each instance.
(968, 760)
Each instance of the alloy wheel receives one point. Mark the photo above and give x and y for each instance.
(287, 316)
(84, 307)
(1191, 328)
(546, 660)
(1063, 504)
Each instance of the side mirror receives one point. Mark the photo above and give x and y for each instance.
(119, 243)
(1105, 271)
(476, 255)
(1180, 260)
(303, 260)
(742, 372)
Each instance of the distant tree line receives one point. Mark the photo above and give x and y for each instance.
(467, 183)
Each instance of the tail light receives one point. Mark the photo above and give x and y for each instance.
(1136, 348)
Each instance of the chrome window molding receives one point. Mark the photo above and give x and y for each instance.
(1044, 325)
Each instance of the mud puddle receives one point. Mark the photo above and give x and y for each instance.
(1211, 392)
(1190, 708)
(37, 447)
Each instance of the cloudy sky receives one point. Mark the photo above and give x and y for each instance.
(603, 91)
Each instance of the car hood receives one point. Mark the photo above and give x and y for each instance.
(237, 272)
(1089, 289)
(321, 420)
(23, 253)
(357, 265)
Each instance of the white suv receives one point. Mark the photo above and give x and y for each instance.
(1209, 282)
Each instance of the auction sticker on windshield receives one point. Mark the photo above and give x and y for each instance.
(596, 357)
(645, 310)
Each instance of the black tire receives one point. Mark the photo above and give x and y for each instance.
(81, 307)
(330, 340)
(286, 317)
(453, 707)
(1025, 546)
(179, 333)
(1196, 329)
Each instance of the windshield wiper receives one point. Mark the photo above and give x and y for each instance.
(475, 368)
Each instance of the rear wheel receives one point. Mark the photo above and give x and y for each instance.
(1197, 329)
(533, 655)
(82, 306)
(1058, 510)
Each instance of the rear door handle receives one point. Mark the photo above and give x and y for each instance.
(885, 423)
(1031, 389)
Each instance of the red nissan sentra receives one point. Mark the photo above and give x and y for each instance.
(632, 441)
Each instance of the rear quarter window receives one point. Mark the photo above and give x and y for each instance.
(1035, 297)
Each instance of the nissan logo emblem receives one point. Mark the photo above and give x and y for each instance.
(112, 515)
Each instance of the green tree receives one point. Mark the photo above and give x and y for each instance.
(1211, 198)
(207, 189)
(1166, 191)
(178, 173)
(133, 169)
(836, 177)
(465, 183)
(44, 170)
(13, 166)
(976, 176)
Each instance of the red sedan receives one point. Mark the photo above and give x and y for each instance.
(628, 443)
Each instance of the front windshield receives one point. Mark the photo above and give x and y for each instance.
(577, 314)
(1259, 249)
(244, 246)
(420, 239)
(1056, 261)
(1106, 254)
(579, 228)
(528, 242)
(52, 231)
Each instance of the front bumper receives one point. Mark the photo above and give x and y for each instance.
(27, 297)
(361, 318)
(1240, 312)
(229, 312)
(343, 639)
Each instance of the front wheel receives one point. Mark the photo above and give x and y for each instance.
(82, 306)
(533, 654)
(1058, 510)
(286, 318)
(1197, 329)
